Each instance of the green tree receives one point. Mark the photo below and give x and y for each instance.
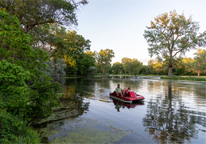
(200, 60)
(84, 62)
(104, 59)
(146, 69)
(40, 90)
(32, 13)
(136, 66)
(117, 68)
(126, 64)
(171, 34)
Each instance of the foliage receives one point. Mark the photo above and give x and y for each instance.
(39, 89)
(200, 60)
(92, 70)
(50, 38)
(171, 34)
(14, 92)
(104, 58)
(132, 66)
(14, 130)
(84, 62)
(136, 66)
(146, 69)
(55, 69)
(32, 13)
(126, 64)
(71, 67)
(117, 68)
(79, 66)
(156, 65)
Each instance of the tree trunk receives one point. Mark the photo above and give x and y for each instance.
(170, 68)
(170, 71)
(103, 71)
(198, 73)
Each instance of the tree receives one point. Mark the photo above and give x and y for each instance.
(132, 66)
(172, 34)
(146, 69)
(126, 64)
(117, 68)
(15, 51)
(32, 13)
(92, 70)
(200, 60)
(104, 59)
(71, 67)
(184, 66)
(84, 62)
(55, 69)
(50, 38)
(156, 65)
(136, 66)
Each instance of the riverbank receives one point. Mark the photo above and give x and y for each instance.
(191, 78)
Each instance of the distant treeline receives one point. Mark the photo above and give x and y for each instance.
(181, 66)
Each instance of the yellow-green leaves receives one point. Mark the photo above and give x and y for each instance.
(171, 34)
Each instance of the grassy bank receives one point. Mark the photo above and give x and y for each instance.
(193, 78)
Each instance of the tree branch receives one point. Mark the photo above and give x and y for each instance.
(33, 25)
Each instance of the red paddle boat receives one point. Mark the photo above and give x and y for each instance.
(128, 98)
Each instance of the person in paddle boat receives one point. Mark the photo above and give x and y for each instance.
(127, 90)
(119, 91)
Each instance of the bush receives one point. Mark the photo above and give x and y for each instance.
(92, 70)
(55, 69)
(24, 86)
(14, 130)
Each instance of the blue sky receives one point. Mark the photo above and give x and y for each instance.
(120, 24)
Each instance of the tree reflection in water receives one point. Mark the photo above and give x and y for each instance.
(169, 121)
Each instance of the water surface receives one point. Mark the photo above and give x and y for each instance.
(172, 112)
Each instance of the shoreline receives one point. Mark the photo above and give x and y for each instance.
(189, 78)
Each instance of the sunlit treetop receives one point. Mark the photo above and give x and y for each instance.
(171, 34)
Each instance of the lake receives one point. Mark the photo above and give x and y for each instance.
(172, 112)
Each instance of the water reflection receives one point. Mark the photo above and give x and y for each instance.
(168, 120)
(119, 104)
(172, 112)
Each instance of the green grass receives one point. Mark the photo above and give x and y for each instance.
(191, 78)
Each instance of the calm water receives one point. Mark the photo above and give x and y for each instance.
(172, 112)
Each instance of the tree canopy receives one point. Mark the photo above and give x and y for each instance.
(104, 58)
(32, 13)
(172, 34)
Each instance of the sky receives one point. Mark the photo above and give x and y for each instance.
(120, 24)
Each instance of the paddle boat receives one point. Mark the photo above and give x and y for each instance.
(128, 98)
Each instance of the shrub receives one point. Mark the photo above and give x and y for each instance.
(14, 130)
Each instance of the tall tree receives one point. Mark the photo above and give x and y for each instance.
(136, 66)
(22, 68)
(126, 64)
(33, 13)
(172, 34)
(200, 60)
(104, 59)
(117, 68)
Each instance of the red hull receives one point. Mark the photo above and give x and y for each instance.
(128, 98)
